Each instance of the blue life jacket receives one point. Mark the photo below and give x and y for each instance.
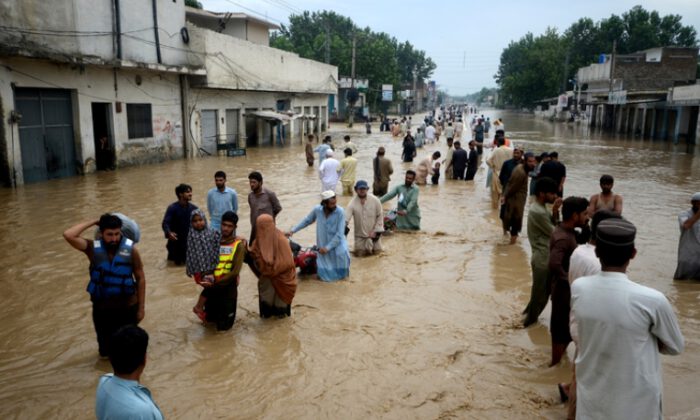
(112, 278)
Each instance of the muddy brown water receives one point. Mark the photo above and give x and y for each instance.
(429, 329)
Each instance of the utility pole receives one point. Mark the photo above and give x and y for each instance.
(414, 106)
(610, 88)
(328, 44)
(351, 117)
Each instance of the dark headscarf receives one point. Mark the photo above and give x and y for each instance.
(202, 247)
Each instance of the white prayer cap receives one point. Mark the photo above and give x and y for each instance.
(695, 197)
(327, 195)
(329, 153)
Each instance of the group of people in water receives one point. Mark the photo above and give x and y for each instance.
(579, 265)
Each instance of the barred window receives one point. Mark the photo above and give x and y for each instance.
(139, 120)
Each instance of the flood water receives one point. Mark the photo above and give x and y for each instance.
(429, 329)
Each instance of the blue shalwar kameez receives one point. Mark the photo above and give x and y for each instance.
(330, 234)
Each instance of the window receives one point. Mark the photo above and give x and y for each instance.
(139, 120)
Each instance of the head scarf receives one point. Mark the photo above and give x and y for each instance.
(202, 247)
(273, 257)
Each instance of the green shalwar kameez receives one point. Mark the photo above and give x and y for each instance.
(408, 202)
(540, 224)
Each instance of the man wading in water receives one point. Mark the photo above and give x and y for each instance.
(117, 283)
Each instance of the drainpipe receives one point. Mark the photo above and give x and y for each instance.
(155, 30)
(117, 29)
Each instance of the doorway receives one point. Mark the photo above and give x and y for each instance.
(103, 138)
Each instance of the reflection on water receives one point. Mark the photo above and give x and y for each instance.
(426, 330)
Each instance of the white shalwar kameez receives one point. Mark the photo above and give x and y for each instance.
(621, 327)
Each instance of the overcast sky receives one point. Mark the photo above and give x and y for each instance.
(464, 38)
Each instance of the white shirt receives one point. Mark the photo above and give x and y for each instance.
(328, 171)
(583, 262)
(620, 325)
(430, 133)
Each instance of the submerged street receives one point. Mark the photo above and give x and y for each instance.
(429, 329)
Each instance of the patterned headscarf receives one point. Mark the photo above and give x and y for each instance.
(202, 247)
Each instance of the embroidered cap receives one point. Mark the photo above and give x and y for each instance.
(616, 232)
(695, 197)
(327, 195)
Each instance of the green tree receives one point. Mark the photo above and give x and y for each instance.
(380, 58)
(193, 3)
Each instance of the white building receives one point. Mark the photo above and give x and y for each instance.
(95, 84)
(252, 94)
(73, 72)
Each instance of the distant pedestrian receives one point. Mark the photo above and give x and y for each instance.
(409, 148)
(119, 394)
(426, 168)
(220, 199)
(328, 172)
(349, 144)
(430, 134)
(479, 137)
(555, 170)
(689, 244)
(309, 150)
(472, 161)
(348, 170)
(323, 149)
(459, 161)
(176, 224)
(382, 173)
(515, 197)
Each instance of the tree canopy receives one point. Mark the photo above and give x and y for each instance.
(532, 68)
(326, 36)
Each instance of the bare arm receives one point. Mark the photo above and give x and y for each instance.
(72, 235)
(618, 204)
(593, 202)
(687, 224)
(140, 283)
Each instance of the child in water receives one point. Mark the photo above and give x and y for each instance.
(202, 255)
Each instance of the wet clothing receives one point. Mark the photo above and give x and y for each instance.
(420, 139)
(448, 162)
(273, 263)
(688, 249)
(408, 202)
(515, 195)
(109, 313)
(219, 202)
(369, 217)
(177, 220)
(309, 152)
(620, 327)
(472, 164)
(561, 245)
(202, 248)
(382, 175)
(348, 171)
(409, 149)
(459, 163)
(555, 170)
(506, 171)
(495, 162)
(222, 296)
(583, 263)
(328, 171)
(540, 224)
(349, 145)
(322, 149)
(262, 202)
(330, 234)
(119, 398)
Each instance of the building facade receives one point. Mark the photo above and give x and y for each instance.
(101, 84)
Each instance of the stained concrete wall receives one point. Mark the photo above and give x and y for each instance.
(74, 30)
(93, 84)
(233, 63)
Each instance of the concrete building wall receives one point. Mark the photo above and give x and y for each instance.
(93, 84)
(221, 100)
(233, 63)
(79, 30)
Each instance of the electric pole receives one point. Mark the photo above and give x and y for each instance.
(328, 44)
(352, 85)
